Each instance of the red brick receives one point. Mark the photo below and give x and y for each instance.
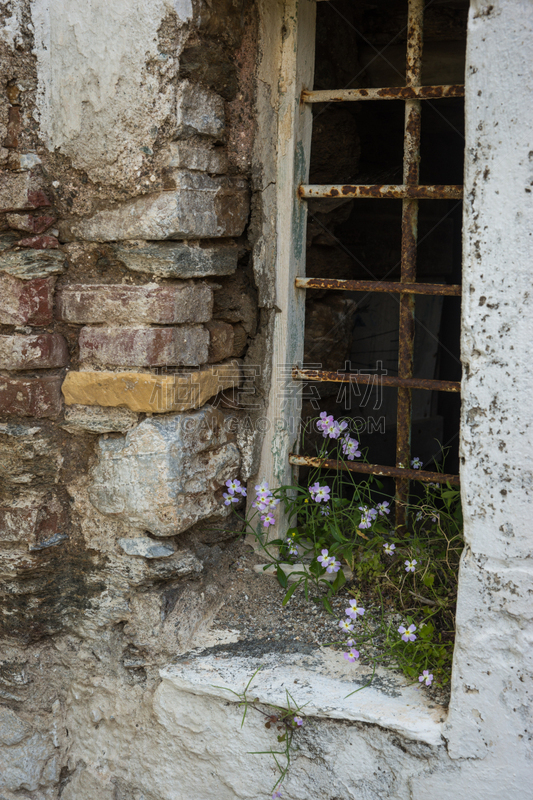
(30, 397)
(42, 351)
(220, 340)
(167, 305)
(26, 302)
(39, 242)
(20, 191)
(145, 347)
(29, 223)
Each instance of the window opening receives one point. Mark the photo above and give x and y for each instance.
(411, 193)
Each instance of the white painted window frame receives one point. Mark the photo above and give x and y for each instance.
(296, 72)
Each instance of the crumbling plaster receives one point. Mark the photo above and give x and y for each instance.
(105, 86)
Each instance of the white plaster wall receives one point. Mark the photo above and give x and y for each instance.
(100, 100)
(491, 714)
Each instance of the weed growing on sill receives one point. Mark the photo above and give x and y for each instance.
(342, 525)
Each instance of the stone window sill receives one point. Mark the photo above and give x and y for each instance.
(317, 678)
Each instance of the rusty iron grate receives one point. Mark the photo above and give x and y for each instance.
(410, 192)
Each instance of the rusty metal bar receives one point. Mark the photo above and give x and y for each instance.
(405, 383)
(393, 287)
(411, 170)
(374, 469)
(388, 93)
(410, 192)
(381, 191)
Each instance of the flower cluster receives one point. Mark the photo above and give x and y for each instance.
(368, 515)
(265, 502)
(329, 427)
(234, 493)
(329, 562)
(292, 547)
(346, 624)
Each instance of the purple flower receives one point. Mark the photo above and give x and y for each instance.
(426, 677)
(366, 519)
(350, 448)
(354, 611)
(324, 512)
(329, 427)
(323, 423)
(292, 548)
(298, 721)
(345, 625)
(408, 634)
(234, 486)
(270, 502)
(352, 654)
(383, 508)
(229, 499)
(275, 795)
(410, 565)
(267, 519)
(319, 493)
(389, 549)
(417, 463)
(333, 566)
(263, 495)
(350, 642)
(324, 558)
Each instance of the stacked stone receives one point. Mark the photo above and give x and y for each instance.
(150, 346)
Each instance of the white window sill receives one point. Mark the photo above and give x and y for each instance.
(317, 678)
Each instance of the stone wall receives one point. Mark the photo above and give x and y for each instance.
(127, 310)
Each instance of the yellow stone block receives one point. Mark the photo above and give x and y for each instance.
(141, 391)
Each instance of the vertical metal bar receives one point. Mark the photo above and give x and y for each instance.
(411, 162)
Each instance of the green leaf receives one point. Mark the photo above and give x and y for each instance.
(290, 592)
(282, 578)
(428, 580)
(339, 581)
(327, 605)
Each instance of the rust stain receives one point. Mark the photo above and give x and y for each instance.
(327, 376)
(386, 93)
(374, 469)
(382, 191)
(393, 287)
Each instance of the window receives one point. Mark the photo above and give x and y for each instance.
(387, 162)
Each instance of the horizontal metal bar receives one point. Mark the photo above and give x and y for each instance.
(394, 287)
(326, 376)
(388, 93)
(373, 469)
(382, 191)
